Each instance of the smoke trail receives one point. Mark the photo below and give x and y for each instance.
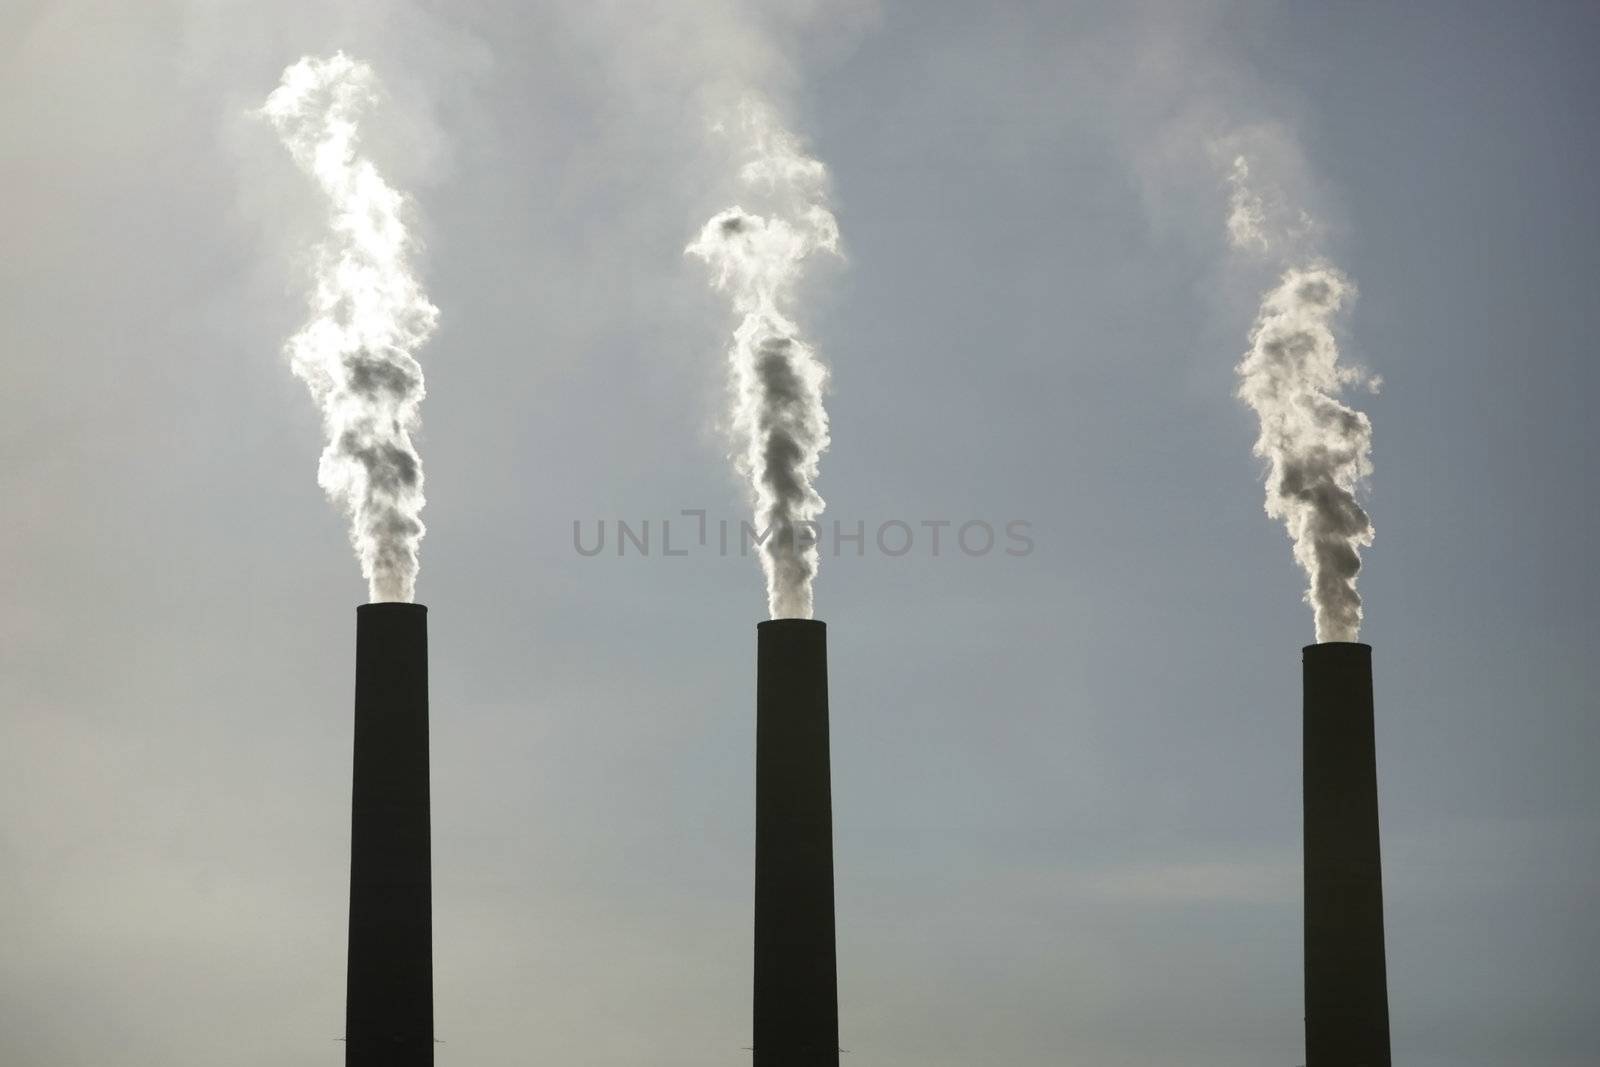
(1318, 450)
(778, 420)
(1247, 215)
(368, 315)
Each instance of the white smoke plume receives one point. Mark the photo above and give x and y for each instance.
(368, 315)
(778, 421)
(1318, 450)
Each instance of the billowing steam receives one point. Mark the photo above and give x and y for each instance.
(778, 420)
(1318, 449)
(368, 314)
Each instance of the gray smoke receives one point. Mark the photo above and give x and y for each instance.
(1247, 214)
(778, 420)
(1318, 450)
(368, 315)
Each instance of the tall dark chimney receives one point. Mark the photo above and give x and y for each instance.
(1347, 999)
(389, 996)
(796, 984)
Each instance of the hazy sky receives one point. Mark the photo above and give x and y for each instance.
(1066, 783)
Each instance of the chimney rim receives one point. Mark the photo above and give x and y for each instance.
(391, 606)
(791, 624)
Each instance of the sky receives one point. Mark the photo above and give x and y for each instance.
(1066, 782)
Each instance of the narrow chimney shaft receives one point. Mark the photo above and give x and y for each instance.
(1347, 1000)
(796, 986)
(389, 996)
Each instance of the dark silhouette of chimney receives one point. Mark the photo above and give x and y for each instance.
(1347, 998)
(796, 984)
(389, 996)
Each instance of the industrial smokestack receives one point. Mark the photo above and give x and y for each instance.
(1347, 999)
(796, 982)
(389, 996)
